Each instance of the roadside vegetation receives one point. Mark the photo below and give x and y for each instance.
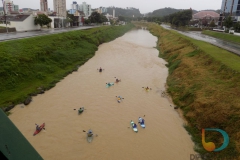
(204, 82)
(30, 66)
(223, 36)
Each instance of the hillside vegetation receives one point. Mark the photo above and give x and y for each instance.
(165, 11)
(30, 66)
(124, 12)
(204, 81)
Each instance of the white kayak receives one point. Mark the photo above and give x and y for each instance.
(90, 138)
(142, 125)
(141, 122)
(134, 129)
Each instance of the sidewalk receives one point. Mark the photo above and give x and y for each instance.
(44, 31)
(232, 47)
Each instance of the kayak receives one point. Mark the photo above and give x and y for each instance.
(37, 131)
(89, 139)
(141, 122)
(147, 89)
(142, 125)
(118, 81)
(119, 99)
(134, 129)
(80, 110)
(109, 85)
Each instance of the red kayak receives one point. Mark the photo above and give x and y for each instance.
(37, 131)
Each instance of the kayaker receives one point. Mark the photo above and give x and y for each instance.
(142, 121)
(119, 99)
(100, 70)
(117, 80)
(134, 125)
(37, 127)
(147, 88)
(89, 133)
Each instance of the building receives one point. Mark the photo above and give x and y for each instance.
(230, 8)
(9, 7)
(78, 17)
(206, 17)
(74, 5)
(44, 5)
(60, 8)
(21, 22)
(86, 8)
(102, 10)
(1, 11)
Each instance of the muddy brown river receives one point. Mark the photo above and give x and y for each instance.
(133, 59)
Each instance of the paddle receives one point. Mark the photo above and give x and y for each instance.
(84, 109)
(148, 88)
(85, 131)
(42, 128)
(119, 97)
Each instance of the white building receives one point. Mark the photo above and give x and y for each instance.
(86, 9)
(108, 16)
(44, 5)
(60, 7)
(20, 22)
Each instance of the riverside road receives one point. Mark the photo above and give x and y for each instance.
(20, 35)
(232, 47)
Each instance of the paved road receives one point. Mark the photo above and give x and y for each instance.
(232, 47)
(20, 35)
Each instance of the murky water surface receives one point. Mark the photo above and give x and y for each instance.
(133, 59)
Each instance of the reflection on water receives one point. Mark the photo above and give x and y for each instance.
(132, 59)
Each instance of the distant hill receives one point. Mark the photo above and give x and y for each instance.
(166, 11)
(128, 12)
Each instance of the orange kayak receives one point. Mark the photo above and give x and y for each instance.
(37, 131)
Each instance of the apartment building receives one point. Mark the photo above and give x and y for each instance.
(60, 8)
(44, 5)
(10, 7)
(86, 8)
(231, 8)
(74, 5)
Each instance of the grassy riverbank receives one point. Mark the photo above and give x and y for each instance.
(223, 36)
(204, 81)
(30, 66)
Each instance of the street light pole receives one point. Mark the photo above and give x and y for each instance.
(5, 15)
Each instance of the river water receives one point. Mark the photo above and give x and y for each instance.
(133, 59)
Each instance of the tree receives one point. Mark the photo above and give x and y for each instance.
(228, 22)
(95, 17)
(212, 24)
(103, 18)
(42, 20)
(237, 27)
(87, 21)
(121, 18)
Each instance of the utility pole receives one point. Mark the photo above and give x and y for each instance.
(62, 13)
(223, 14)
(5, 15)
(58, 14)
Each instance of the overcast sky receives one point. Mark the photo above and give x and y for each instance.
(143, 5)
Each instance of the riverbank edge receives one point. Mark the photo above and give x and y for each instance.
(224, 36)
(195, 72)
(52, 58)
